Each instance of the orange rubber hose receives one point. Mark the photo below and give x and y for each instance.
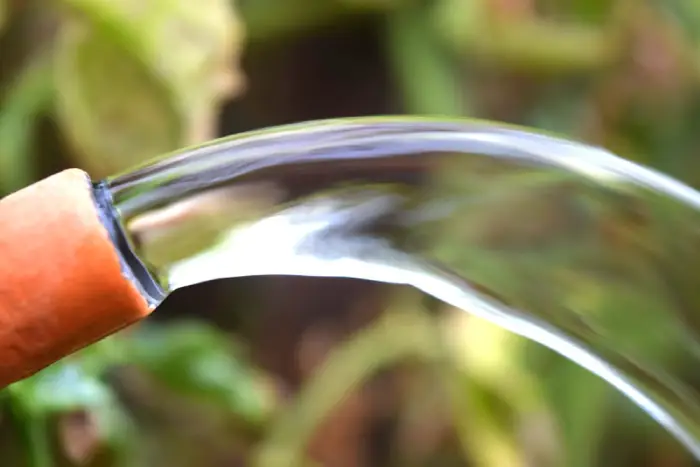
(61, 281)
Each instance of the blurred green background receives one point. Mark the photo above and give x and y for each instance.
(317, 372)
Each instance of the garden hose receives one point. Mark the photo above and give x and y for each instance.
(63, 282)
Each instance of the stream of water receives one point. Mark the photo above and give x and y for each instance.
(563, 243)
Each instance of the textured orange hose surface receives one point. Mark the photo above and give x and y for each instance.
(61, 283)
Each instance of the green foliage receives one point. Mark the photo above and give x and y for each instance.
(136, 117)
(402, 335)
(122, 81)
(120, 92)
(191, 360)
(30, 94)
(116, 89)
(197, 361)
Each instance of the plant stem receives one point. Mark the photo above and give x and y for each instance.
(27, 98)
(427, 77)
(39, 448)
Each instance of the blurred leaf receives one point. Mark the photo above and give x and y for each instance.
(592, 11)
(485, 352)
(25, 100)
(189, 358)
(560, 110)
(267, 20)
(3, 13)
(425, 71)
(114, 110)
(66, 388)
(686, 13)
(62, 387)
(399, 335)
(208, 37)
(530, 42)
(581, 11)
(487, 389)
(69, 387)
(124, 96)
(579, 401)
(198, 361)
(34, 427)
(377, 5)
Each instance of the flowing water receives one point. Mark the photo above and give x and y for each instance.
(562, 243)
